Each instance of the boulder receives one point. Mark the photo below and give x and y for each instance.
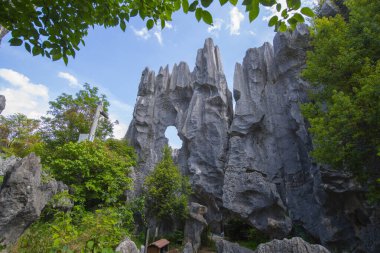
(127, 246)
(195, 225)
(23, 195)
(329, 9)
(293, 245)
(7, 163)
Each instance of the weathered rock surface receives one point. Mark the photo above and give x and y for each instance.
(2, 102)
(293, 245)
(127, 246)
(268, 166)
(23, 196)
(329, 9)
(256, 167)
(199, 105)
(270, 180)
(223, 246)
(195, 225)
(7, 163)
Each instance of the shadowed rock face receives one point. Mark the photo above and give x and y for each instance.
(23, 196)
(199, 105)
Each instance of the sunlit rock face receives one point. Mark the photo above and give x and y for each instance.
(199, 105)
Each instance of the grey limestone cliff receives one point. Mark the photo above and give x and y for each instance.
(199, 105)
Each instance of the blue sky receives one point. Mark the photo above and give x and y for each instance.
(113, 60)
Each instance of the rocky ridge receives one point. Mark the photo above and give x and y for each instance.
(252, 163)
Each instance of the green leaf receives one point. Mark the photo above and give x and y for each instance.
(198, 14)
(43, 32)
(27, 47)
(150, 24)
(90, 244)
(15, 42)
(273, 21)
(293, 4)
(253, 13)
(282, 27)
(299, 17)
(284, 13)
(36, 50)
(223, 2)
(206, 3)
(233, 2)
(278, 7)
(193, 6)
(307, 12)
(123, 25)
(185, 6)
(134, 12)
(65, 59)
(268, 2)
(207, 18)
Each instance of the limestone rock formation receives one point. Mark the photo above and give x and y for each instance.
(7, 163)
(293, 245)
(195, 225)
(270, 180)
(2, 103)
(23, 196)
(199, 105)
(127, 246)
(223, 246)
(268, 166)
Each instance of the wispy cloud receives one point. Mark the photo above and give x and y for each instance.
(216, 27)
(122, 113)
(73, 81)
(236, 17)
(158, 36)
(142, 33)
(23, 96)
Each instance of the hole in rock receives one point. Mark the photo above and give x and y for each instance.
(172, 134)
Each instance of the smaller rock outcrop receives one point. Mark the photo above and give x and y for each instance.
(2, 102)
(293, 245)
(23, 196)
(6, 163)
(127, 246)
(195, 225)
(329, 9)
(223, 246)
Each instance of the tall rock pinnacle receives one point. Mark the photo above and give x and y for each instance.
(199, 105)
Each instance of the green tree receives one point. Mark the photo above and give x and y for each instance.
(18, 134)
(69, 116)
(344, 69)
(97, 172)
(166, 190)
(56, 28)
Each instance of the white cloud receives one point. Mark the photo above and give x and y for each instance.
(168, 25)
(120, 129)
(73, 81)
(23, 96)
(142, 33)
(158, 35)
(252, 33)
(216, 27)
(236, 17)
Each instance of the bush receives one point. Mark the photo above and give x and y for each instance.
(97, 172)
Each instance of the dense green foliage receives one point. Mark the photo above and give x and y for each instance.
(99, 231)
(97, 172)
(18, 134)
(69, 116)
(344, 68)
(166, 190)
(56, 28)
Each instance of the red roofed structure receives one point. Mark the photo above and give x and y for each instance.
(160, 246)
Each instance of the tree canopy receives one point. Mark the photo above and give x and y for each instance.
(56, 29)
(344, 70)
(71, 115)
